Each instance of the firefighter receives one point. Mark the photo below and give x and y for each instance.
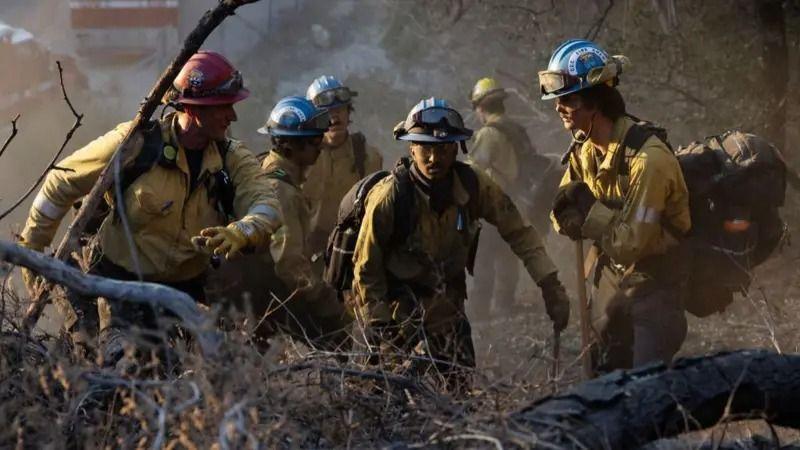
(305, 307)
(410, 281)
(185, 180)
(346, 158)
(504, 151)
(625, 191)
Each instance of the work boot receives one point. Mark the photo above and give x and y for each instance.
(117, 350)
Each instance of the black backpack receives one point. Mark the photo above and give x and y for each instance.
(342, 240)
(736, 183)
(221, 188)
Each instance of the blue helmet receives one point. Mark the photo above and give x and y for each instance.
(578, 64)
(432, 120)
(328, 92)
(296, 116)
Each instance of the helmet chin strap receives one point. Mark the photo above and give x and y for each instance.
(580, 136)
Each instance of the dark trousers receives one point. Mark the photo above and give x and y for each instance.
(90, 316)
(312, 315)
(439, 342)
(634, 324)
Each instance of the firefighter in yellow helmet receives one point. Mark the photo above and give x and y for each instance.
(187, 182)
(625, 191)
(504, 151)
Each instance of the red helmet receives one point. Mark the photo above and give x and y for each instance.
(209, 79)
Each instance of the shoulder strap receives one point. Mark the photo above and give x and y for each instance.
(359, 154)
(405, 217)
(633, 142)
(364, 187)
(225, 190)
(149, 156)
(466, 174)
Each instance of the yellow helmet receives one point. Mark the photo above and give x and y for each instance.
(486, 88)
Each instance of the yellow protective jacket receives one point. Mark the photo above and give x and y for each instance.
(288, 248)
(162, 213)
(289, 253)
(656, 195)
(328, 180)
(494, 152)
(433, 258)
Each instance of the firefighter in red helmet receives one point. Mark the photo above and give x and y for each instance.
(188, 191)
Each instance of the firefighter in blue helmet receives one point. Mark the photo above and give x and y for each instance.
(346, 157)
(410, 281)
(625, 191)
(306, 308)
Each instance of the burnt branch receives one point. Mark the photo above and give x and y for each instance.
(57, 156)
(625, 410)
(152, 294)
(210, 20)
(11, 137)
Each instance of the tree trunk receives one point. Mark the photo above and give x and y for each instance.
(624, 410)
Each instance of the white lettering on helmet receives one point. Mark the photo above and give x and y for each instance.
(578, 55)
(276, 116)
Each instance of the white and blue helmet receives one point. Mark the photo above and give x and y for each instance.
(578, 64)
(328, 92)
(296, 116)
(432, 120)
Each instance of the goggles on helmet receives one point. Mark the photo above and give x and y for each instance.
(331, 96)
(551, 81)
(319, 122)
(436, 118)
(231, 86)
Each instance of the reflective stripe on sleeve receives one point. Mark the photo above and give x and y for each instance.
(48, 209)
(647, 215)
(265, 210)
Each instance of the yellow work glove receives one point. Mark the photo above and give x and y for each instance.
(228, 241)
(29, 277)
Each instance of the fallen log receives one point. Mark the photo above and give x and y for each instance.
(624, 410)
(69, 244)
(155, 295)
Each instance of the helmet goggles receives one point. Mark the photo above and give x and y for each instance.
(439, 119)
(331, 97)
(231, 86)
(319, 122)
(551, 81)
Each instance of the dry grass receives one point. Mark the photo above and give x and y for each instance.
(292, 397)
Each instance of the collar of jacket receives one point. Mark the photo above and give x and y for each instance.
(460, 195)
(495, 118)
(342, 149)
(212, 162)
(618, 132)
(275, 161)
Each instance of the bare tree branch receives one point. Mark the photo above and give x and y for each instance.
(51, 165)
(534, 13)
(594, 30)
(210, 20)
(152, 294)
(12, 136)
